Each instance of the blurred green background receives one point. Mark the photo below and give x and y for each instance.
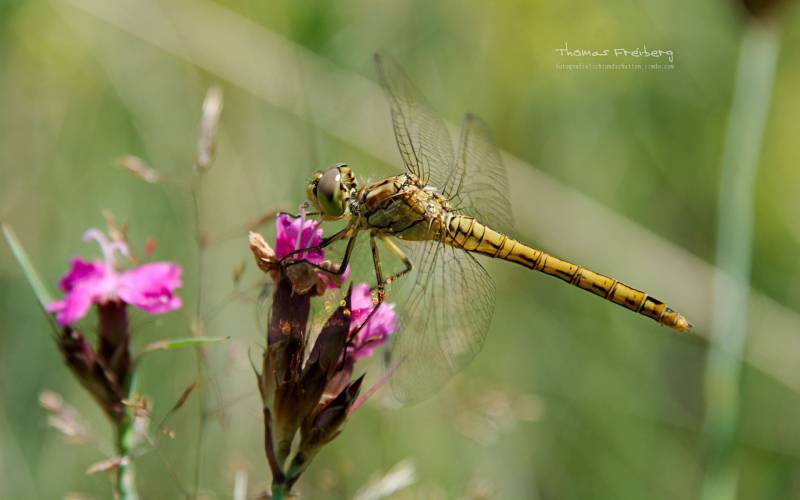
(571, 397)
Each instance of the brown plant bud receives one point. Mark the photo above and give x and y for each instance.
(283, 362)
(287, 416)
(91, 373)
(287, 328)
(325, 423)
(337, 383)
(325, 360)
(113, 339)
(329, 347)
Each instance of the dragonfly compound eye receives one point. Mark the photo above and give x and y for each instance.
(330, 192)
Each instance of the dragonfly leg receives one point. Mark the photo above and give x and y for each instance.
(340, 268)
(354, 334)
(378, 268)
(376, 260)
(379, 275)
(392, 246)
(297, 216)
(324, 243)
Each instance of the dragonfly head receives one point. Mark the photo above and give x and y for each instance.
(330, 190)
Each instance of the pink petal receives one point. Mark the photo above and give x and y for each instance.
(382, 323)
(150, 287)
(295, 234)
(334, 281)
(361, 298)
(80, 270)
(55, 306)
(85, 283)
(74, 306)
(153, 275)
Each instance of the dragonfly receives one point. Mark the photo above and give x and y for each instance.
(447, 207)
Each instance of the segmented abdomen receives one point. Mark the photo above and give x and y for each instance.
(469, 234)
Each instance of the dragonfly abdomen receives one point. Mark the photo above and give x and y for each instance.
(469, 234)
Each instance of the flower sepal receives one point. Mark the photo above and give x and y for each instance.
(103, 385)
(322, 426)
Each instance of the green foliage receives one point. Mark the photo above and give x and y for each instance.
(170, 344)
(27, 267)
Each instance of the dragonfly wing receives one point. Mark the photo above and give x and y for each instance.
(475, 180)
(422, 137)
(443, 322)
(481, 190)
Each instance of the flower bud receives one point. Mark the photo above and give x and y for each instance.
(113, 339)
(91, 373)
(323, 426)
(283, 362)
(325, 360)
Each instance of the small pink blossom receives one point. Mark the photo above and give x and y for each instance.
(149, 287)
(381, 325)
(299, 233)
(296, 234)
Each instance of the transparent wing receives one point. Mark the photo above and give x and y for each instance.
(444, 321)
(423, 139)
(481, 183)
(475, 180)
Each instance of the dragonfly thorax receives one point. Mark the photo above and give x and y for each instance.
(402, 206)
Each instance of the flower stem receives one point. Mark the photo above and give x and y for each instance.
(126, 483)
(279, 492)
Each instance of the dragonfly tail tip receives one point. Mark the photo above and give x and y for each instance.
(682, 325)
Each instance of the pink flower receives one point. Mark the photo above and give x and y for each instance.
(295, 234)
(299, 233)
(149, 286)
(381, 325)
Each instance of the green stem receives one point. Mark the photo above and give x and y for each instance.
(279, 492)
(126, 481)
(745, 130)
(126, 441)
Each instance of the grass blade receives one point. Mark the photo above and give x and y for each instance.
(758, 56)
(168, 345)
(34, 280)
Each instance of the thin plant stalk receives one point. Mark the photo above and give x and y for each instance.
(126, 482)
(279, 492)
(749, 110)
(204, 157)
(126, 442)
(203, 399)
